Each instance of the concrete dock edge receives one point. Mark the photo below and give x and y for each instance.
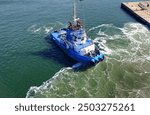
(143, 18)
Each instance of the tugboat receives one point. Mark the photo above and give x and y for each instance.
(75, 42)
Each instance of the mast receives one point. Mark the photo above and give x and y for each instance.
(74, 11)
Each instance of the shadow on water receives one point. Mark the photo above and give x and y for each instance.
(54, 53)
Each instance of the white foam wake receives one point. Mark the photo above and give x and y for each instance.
(48, 84)
(124, 48)
(43, 29)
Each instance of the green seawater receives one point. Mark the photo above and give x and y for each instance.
(31, 65)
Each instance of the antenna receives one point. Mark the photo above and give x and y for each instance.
(74, 11)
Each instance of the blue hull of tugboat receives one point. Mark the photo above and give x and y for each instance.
(71, 53)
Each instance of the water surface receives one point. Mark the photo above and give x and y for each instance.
(31, 65)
